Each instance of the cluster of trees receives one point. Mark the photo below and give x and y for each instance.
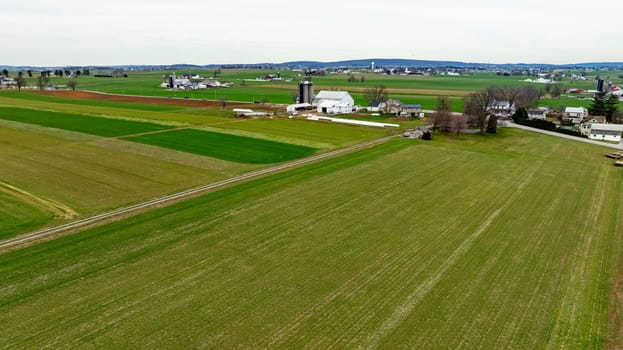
(477, 105)
(446, 121)
(352, 79)
(604, 105)
(555, 90)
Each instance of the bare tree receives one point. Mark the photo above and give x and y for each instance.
(528, 96)
(375, 94)
(20, 82)
(443, 104)
(555, 90)
(42, 81)
(477, 106)
(458, 124)
(442, 118)
(72, 84)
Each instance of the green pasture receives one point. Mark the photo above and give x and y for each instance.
(75, 122)
(482, 242)
(18, 216)
(227, 147)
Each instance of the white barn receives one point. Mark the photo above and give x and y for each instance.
(333, 102)
(605, 132)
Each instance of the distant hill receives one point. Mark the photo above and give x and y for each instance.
(378, 62)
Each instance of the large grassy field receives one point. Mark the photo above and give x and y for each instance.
(506, 241)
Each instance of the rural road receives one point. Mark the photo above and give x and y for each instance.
(564, 136)
(129, 210)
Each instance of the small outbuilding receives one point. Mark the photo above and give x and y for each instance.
(605, 132)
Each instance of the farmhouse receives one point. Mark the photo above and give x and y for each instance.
(501, 108)
(537, 113)
(7, 81)
(575, 114)
(376, 106)
(413, 110)
(605, 132)
(333, 102)
(392, 106)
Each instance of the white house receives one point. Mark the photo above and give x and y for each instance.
(333, 102)
(606, 132)
(576, 114)
(501, 108)
(537, 113)
(376, 106)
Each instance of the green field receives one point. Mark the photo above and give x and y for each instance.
(485, 242)
(232, 148)
(75, 122)
(18, 215)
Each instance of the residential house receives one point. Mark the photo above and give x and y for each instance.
(376, 106)
(575, 114)
(392, 106)
(411, 110)
(538, 113)
(333, 102)
(7, 81)
(501, 108)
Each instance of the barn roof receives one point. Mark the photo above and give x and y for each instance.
(331, 95)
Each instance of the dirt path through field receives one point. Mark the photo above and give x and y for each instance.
(57, 208)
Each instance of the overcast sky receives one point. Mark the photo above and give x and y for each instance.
(88, 32)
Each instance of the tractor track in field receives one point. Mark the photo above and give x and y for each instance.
(98, 219)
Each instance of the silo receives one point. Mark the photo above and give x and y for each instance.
(600, 85)
(306, 92)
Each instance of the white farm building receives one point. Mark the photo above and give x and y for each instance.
(605, 132)
(333, 102)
